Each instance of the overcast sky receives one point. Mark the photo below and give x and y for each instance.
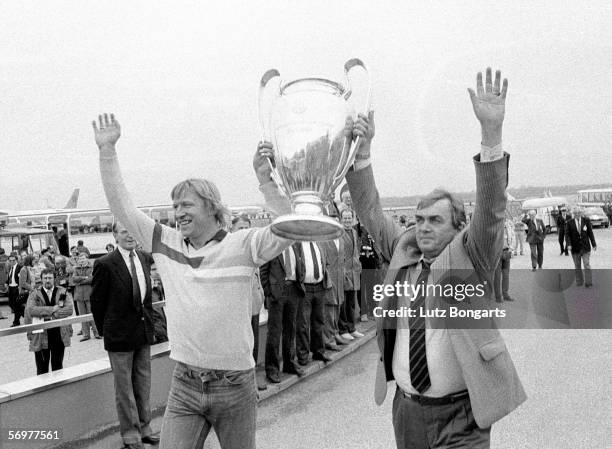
(182, 79)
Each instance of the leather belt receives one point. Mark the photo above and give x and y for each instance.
(444, 400)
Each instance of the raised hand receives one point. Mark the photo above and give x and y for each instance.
(489, 103)
(261, 165)
(107, 132)
(365, 129)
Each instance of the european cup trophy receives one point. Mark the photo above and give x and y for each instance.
(305, 121)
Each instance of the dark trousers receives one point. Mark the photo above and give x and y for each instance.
(310, 322)
(282, 314)
(18, 310)
(537, 254)
(54, 354)
(437, 426)
(255, 327)
(346, 323)
(132, 378)
(562, 245)
(502, 276)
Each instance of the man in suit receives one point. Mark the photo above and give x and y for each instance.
(123, 314)
(536, 232)
(313, 279)
(12, 282)
(580, 239)
(282, 292)
(453, 382)
(561, 220)
(334, 251)
(351, 267)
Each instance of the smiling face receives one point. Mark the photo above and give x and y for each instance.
(347, 219)
(434, 228)
(193, 216)
(123, 238)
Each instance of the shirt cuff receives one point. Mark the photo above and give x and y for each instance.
(361, 164)
(488, 154)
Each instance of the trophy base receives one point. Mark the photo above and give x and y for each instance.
(307, 228)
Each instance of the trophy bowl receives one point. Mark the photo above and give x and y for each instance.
(305, 121)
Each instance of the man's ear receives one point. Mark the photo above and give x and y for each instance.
(461, 226)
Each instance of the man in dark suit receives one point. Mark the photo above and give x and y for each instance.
(580, 238)
(12, 281)
(561, 220)
(282, 292)
(535, 237)
(313, 279)
(122, 310)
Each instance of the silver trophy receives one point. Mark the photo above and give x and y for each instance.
(305, 121)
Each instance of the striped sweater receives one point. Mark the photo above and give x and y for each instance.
(208, 290)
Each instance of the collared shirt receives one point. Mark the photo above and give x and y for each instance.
(444, 370)
(289, 265)
(309, 277)
(219, 236)
(13, 277)
(578, 224)
(49, 294)
(142, 283)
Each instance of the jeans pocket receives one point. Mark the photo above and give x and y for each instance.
(237, 377)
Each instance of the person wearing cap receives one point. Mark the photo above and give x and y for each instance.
(206, 272)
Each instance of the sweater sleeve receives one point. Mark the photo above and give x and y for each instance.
(120, 202)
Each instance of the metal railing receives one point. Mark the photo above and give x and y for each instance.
(53, 323)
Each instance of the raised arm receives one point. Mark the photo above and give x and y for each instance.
(366, 200)
(265, 245)
(485, 234)
(107, 131)
(275, 202)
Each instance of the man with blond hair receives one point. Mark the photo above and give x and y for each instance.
(205, 271)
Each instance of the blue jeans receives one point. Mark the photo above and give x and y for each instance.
(200, 399)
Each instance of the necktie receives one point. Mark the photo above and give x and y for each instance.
(315, 262)
(419, 373)
(287, 262)
(135, 285)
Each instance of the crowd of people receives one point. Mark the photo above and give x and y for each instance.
(452, 384)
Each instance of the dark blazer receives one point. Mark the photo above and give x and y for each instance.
(334, 257)
(580, 239)
(272, 277)
(124, 324)
(535, 231)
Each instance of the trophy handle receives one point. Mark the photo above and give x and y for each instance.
(272, 73)
(343, 168)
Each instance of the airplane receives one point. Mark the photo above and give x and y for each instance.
(71, 204)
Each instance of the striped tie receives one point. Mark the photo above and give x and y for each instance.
(419, 373)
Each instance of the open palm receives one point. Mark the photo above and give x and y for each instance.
(107, 131)
(489, 101)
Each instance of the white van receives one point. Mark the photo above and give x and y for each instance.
(547, 209)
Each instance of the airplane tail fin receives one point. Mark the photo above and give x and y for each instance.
(74, 199)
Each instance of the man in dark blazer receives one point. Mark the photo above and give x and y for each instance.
(313, 280)
(580, 239)
(122, 310)
(453, 382)
(561, 220)
(12, 281)
(282, 292)
(535, 237)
